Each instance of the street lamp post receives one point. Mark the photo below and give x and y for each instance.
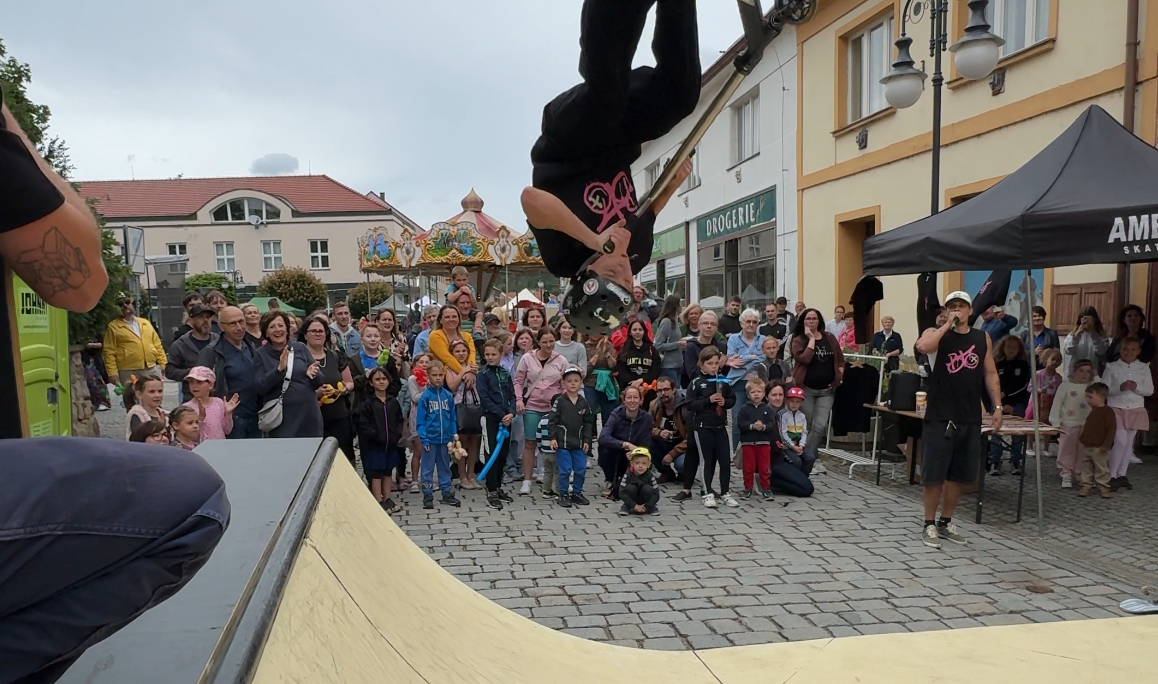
(975, 56)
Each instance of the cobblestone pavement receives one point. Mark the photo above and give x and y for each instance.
(846, 562)
(1114, 536)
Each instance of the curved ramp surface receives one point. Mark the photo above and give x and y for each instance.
(365, 604)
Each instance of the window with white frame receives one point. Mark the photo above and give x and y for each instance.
(223, 251)
(178, 249)
(746, 128)
(270, 255)
(241, 209)
(1022, 23)
(651, 174)
(693, 180)
(319, 254)
(869, 56)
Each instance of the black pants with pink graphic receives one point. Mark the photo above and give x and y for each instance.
(592, 133)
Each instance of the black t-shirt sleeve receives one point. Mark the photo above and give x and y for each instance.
(26, 194)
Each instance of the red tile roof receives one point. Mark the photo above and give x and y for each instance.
(180, 197)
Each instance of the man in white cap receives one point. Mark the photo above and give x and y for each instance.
(962, 373)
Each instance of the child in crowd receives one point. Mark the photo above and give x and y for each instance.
(571, 425)
(639, 490)
(185, 426)
(437, 428)
(215, 414)
(1048, 382)
(1068, 414)
(496, 393)
(709, 398)
(459, 283)
(378, 420)
(773, 368)
(546, 457)
(471, 436)
(757, 431)
(143, 397)
(1130, 383)
(793, 424)
(416, 385)
(1097, 437)
(152, 432)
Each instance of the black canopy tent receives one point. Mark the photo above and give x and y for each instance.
(1089, 197)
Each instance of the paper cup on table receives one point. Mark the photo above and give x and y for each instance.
(922, 398)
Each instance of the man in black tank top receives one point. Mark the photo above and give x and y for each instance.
(962, 373)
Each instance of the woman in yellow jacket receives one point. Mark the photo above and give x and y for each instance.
(449, 330)
(131, 345)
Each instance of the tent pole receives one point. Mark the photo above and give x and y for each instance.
(1037, 455)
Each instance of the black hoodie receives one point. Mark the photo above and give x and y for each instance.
(703, 412)
(749, 414)
(571, 423)
(637, 363)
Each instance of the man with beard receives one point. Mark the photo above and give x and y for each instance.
(183, 353)
(131, 345)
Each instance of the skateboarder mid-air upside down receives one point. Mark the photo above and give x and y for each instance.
(582, 204)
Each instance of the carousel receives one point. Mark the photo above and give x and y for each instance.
(482, 244)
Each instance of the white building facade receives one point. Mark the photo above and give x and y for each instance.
(731, 228)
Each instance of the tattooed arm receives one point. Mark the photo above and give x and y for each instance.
(58, 255)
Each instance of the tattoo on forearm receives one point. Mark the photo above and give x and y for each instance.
(55, 266)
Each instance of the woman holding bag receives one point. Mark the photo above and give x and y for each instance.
(538, 379)
(468, 412)
(287, 375)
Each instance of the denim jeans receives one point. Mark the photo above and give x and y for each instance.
(1016, 445)
(571, 461)
(95, 532)
(435, 455)
(244, 428)
(817, 410)
(599, 404)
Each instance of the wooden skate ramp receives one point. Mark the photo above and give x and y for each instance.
(364, 604)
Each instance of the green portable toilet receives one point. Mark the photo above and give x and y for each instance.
(42, 336)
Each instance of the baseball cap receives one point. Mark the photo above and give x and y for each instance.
(202, 373)
(963, 296)
(198, 310)
(491, 318)
(795, 392)
(572, 369)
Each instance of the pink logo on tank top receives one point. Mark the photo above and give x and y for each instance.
(962, 360)
(611, 200)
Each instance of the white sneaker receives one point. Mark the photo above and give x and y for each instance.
(539, 478)
(525, 490)
(1134, 460)
(730, 501)
(819, 469)
(1067, 482)
(709, 501)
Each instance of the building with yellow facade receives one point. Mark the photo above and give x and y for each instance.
(864, 167)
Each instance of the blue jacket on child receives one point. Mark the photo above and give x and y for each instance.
(437, 423)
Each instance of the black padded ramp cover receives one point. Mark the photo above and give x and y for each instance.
(172, 642)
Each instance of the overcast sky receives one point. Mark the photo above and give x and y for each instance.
(421, 99)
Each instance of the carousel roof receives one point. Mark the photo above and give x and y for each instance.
(471, 238)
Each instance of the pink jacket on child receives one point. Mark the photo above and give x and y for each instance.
(215, 422)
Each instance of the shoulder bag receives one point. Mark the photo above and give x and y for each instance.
(269, 417)
(469, 414)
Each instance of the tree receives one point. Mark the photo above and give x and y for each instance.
(204, 282)
(33, 118)
(296, 286)
(365, 295)
(89, 326)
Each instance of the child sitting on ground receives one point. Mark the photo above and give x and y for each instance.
(1068, 414)
(437, 428)
(757, 431)
(215, 414)
(186, 426)
(571, 424)
(1097, 437)
(378, 420)
(639, 489)
(793, 424)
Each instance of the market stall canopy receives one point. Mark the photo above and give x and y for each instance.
(262, 304)
(525, 299)
(1091, 196)
(394, 303)
(471, 238)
